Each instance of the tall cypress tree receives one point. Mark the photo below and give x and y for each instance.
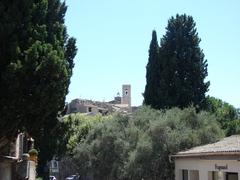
(151, 94)
(185, 66)
(36, 66)
(176, 77)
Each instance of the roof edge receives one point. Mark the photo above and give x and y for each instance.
(189, 155)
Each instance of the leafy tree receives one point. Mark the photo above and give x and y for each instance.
(233, 127)
(78, 127)
(223, 110)
(75, 128)
(138, 146)
(226, 114)
(182, 66)
(36, 66)
(101, 154)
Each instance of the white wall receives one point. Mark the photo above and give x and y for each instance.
(204, 166)
(31, 170)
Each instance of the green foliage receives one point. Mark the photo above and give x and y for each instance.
(233, 127)
(226, 114)
(224, 111)
(33, 152)
(179, 70)
(36, 66)
(78, 127)
(36, 63)
(152, 93)
(39, 178)
(138, 146)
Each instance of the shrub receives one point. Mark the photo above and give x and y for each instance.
(138, 146)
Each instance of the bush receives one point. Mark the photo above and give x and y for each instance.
(138, 146)
(78, 127)
(33, 152)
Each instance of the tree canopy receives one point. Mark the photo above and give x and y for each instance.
(36, 64)
(78, 126)
(226, 114)
(180, 69)
(152, 93)
(138, 146)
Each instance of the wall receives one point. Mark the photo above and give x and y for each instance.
(31, 170)
(5, 171)
(204, 166)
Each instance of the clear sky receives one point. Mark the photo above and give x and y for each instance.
(113, 39)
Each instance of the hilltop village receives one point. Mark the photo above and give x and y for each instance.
(120, 104)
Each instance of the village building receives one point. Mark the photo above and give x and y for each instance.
(89, 107)
(217, 161)
(15, 163)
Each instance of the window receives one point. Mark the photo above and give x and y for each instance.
(194, 174)
(214, 175)
(89, 109)
(184, 174)
(231, 176)
(55, 165)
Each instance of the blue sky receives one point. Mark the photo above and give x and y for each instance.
(113, 39)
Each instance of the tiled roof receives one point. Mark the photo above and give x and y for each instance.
(227, 146)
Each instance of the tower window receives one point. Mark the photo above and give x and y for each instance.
(126, 92)
(89, 109)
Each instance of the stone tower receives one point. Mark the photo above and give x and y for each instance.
(126, 94)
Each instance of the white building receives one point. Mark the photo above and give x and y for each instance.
(217, 161)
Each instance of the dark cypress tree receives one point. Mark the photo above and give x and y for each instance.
(36, 65)
(185, 68)
(151, 94)
(177, 69)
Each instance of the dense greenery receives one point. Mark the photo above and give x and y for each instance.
(78, 127)
(36, 66)
(138, 146)
(36, 63)
(180, 69)
(226, 114)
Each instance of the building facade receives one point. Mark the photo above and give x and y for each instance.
(217, 161)
(15, 163)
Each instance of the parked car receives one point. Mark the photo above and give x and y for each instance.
(73, 177)
(52, 178)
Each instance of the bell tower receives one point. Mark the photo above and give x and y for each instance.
(126, 94)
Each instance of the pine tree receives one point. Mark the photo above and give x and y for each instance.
(36, 66)
(182, 69)
(185, 63)
(151, 94)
